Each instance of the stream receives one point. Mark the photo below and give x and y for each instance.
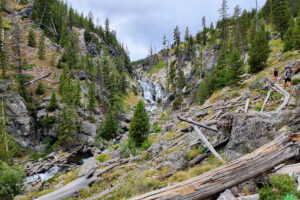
(153, 93)
(78, 159)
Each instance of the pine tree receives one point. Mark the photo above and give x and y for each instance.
(91, 97)
(139, 126)
(40, 90)
(78, 95)
(224, 27)
(204, 31)
(67, 129)
(41, 51)
(177, 42)
(63, 40)
(296, 34)
(53, 104)
(259, 52)
(31, 39)
(235, 68)
(289, 40)
(110, 126)
(280, 16)
(187, 34)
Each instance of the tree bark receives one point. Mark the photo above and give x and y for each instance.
(238, 171)
(266, 100)
(198, 124)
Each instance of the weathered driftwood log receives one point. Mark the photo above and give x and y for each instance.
(266, 100)
(35, 80)
(286, 97)
(198, 124)
(247, 104)
(238, 171)
(230, 106)
(71, 189)
(207, 144)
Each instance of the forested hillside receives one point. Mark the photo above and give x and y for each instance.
(202, 116)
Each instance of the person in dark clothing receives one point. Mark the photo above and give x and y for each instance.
(288, 77)
(275, 74)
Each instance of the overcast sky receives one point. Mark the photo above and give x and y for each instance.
(141, 22)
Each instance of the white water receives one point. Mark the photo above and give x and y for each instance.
(153, 93)
(43, 176)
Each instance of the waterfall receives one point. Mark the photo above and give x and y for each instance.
(153, 93)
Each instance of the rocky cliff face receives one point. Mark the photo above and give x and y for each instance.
(19, 123)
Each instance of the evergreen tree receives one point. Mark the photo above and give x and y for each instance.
(139, 126)
(235, 68)
(289, 40)
(296, 35)
(40, 90)
(67, 129)
(91, 97)
(53, 104)
(110, 126)
(204, 31)
(187, 34)
(224, 27)
(63, 40)
(280, 16)
(177, 42)
(259, 52)
(41, 51)
(78, 95)
(3, 53)
(31, 39)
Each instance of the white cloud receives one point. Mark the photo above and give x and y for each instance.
(140, 22)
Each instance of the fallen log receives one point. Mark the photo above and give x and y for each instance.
(266, 100)
(35, 80)
(215, 116)
(230, 106)
(286, 97)
(207, 144)
(198, 124)
(236, 172)
(71, 189)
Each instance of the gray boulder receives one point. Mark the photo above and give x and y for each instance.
(92, 49)
(89, 129)
(88, 166)
(26, 12)
(154, 150)
(178, 160)
(227, 195)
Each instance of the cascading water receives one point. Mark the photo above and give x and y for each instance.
(153, 93)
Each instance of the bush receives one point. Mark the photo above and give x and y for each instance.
(40, 90)
(128, 149)
(157, 128)
(279, 187)
(53, 102)
(103, 157)
(31, 39)
(288, 45)
(296, 81)
(11, 181)
(146, 144)
(48, 121)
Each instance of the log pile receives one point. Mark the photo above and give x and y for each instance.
(238, 171)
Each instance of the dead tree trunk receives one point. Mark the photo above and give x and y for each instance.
(286, 97)
(198, 124)
(238, 171)
(266, 100)
(247, 105)
(35, 80)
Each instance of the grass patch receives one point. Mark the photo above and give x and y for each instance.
(296, 81)
(103, 157)
(158, 67)
(157, 128)
(279, 187)
(36, 156)
(276, 95)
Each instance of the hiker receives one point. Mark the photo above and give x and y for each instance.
(288, 76)
(275, 74)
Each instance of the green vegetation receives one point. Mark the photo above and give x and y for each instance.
(41, 51)
(11, 181)
(109, 128)
(31, 38)
(158, 67)
(40, 90)
(139, 126)
(157, 128)
(103, 157)
(53, 104)
(279, 187)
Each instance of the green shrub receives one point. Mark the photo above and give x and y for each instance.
(128, 149)
(279, 187)
(146, 144)
(36, 156)
(31, 39)
(276, 95)
(48, 121)
(40, 90)
(296, 81)
(258, 108)
(11, 181)
(53, 102)
(103, 157)
(157, 128)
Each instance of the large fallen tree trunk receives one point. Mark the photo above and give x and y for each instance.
(236, 172)
(35, 80)
(265, 101)
(198, 124)
(286, 97)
